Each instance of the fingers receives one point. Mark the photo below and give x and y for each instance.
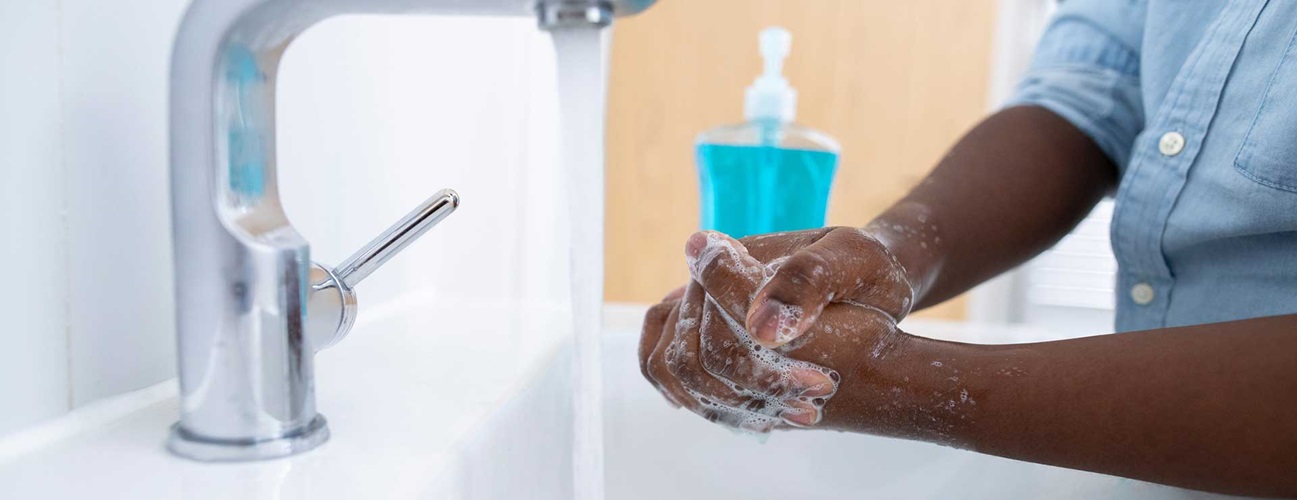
(730, 277)
(672, 351)
(769, 247)
(654, 322)
(730, 354)
(697, 348)
(722, 266)
(853, 340)
(844, 265)
(654, 364)
(717, 400)
(846, 337)
(790, 389)
(659, 369)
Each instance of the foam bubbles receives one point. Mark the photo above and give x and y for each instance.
(766, 409)
(789, 317)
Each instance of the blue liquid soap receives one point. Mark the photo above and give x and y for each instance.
(768, 174)
(757, 189)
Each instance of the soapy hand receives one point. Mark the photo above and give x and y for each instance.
(815, 268)
(826, 300)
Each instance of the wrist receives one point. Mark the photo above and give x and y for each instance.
(914, 388)
(910, 231)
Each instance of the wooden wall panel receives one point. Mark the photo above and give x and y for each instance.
(895, 82)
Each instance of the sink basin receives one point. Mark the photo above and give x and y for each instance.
(655, 452)
(456, 403)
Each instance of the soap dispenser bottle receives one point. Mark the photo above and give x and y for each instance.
(767, 174)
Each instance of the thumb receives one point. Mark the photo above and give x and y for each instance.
(844, 265)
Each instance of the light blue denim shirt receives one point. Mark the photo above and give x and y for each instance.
(1196, 102)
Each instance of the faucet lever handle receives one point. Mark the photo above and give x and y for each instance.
(331, 303)
(363, 263)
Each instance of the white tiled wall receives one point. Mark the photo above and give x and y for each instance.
(33, 329)
(115, 66)
(87, 311)
(375, 115)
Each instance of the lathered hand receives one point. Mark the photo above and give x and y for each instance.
(696, 350)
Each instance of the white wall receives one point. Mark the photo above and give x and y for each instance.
(115, 67)
(85, 225)
(376, 114)
(33, 332)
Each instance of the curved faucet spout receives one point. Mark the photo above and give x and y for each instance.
(244, 277)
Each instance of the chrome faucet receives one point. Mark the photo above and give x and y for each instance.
(252, 308)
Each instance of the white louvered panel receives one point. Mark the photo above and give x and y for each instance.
(1078, 272)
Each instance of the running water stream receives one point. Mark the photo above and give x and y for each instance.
(582, 90)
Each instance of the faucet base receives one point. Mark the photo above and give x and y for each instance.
(187, 445)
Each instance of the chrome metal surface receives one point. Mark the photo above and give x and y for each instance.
(182, 443)
(396, 238)
(244, 278)
(562, 14)
(330, 308)
(331, 304)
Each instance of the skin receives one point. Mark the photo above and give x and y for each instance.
(1206, 407)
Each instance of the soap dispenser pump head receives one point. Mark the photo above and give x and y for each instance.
(771, 97)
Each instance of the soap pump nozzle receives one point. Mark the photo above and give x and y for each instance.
(771, 97)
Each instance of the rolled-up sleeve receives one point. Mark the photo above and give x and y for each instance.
(1086, 70)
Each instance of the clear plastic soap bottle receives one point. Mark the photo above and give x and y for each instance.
(767, 174)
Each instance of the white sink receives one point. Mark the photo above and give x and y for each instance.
(654, 452)
(424, 401)
(461, 404)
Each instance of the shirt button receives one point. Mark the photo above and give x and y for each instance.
(1172, 144)
(1142, 294)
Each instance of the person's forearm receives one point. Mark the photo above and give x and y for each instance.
(1207, 407)
(1012, 187)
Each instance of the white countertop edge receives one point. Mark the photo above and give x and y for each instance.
(99, 415)
(89, 418)
(619, 319)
